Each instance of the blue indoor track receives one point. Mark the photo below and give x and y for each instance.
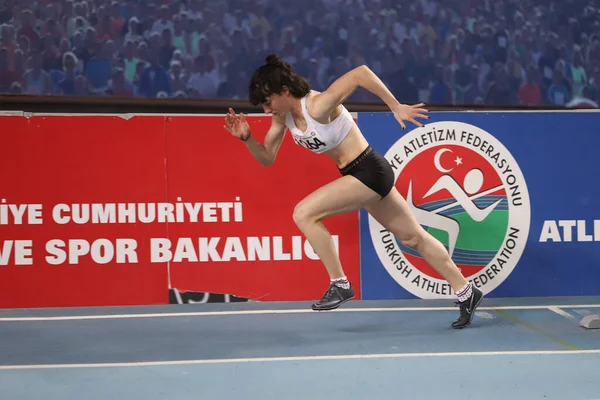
(514, 349)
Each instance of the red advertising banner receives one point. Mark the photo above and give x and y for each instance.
(107, 210)
(246, 241)
(62, 179)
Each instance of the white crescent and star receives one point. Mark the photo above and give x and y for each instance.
(438, 164)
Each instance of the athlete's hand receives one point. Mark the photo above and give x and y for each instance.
(237, 126)
(405, 112)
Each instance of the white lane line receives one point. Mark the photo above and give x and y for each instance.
(294, 311)
(303, 358)
(484, 314)
(563, 313)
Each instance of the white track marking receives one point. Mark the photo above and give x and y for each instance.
(303, 358)
(289, 311)
(562, 312)
(583, 312)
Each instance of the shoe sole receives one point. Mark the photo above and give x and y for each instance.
(334, 307)
(472, 314)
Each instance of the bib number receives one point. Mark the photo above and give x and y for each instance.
(312, 142)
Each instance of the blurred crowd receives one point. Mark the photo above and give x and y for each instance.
(497, 52)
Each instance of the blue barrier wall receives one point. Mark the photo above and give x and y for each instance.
(514, 196)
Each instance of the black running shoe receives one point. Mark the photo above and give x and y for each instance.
(467, 309)
(334, 297)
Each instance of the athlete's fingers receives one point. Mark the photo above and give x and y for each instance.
(415, 122)
(402, 123)
(418, 105)
(422, 116)
(242, 117)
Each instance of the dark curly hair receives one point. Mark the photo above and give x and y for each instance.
(271, 77)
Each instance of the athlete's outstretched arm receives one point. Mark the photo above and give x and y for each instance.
(266, 152)
(343, 87)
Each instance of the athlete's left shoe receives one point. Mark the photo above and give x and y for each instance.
(334, 297)
(467, 309)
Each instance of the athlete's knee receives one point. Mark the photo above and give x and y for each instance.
(303, 214)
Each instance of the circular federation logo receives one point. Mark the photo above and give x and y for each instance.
(467, 191)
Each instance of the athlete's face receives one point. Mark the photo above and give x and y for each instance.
(278, 103)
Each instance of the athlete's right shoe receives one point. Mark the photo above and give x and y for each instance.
(334, 297)
(467, 309)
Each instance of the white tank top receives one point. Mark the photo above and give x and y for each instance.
(320, 137)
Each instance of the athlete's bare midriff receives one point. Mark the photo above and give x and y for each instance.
(350, 148)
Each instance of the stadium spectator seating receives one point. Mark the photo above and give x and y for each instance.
(494, 52)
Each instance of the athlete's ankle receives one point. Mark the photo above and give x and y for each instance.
(465, 292)
(341, 282)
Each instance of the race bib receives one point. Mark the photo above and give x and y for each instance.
(311, 141)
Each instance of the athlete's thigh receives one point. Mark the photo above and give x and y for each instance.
(345, 194)
(393, 212)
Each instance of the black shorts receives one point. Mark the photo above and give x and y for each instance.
(372, 169)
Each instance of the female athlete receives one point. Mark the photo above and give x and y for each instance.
(319, 122)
